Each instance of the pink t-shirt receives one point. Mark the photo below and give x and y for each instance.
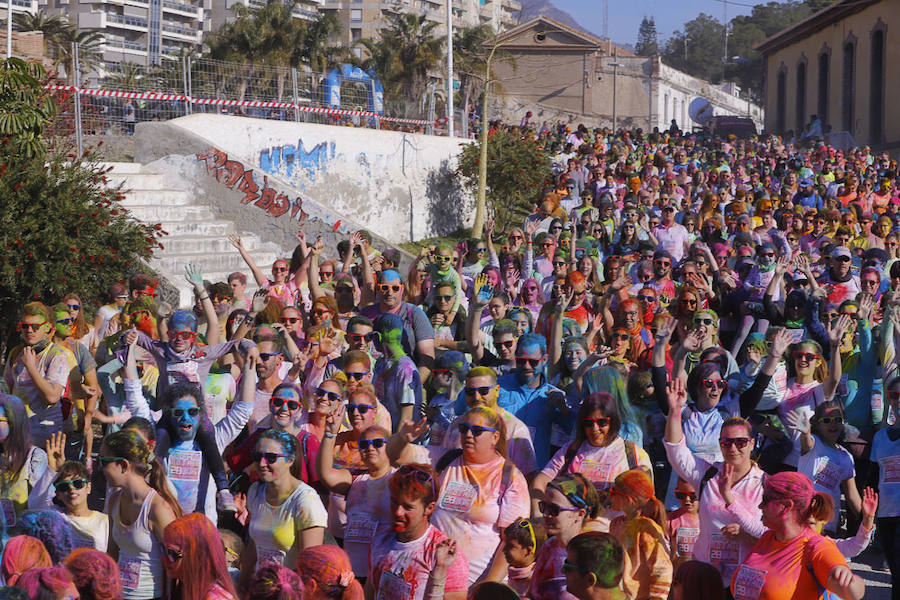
(548, 581)
(683, 529)
(473, 510)
(599, 464)
(400, 570)
(368, 509)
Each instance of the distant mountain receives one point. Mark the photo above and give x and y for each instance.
(546, 8)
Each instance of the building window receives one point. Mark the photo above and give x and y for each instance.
(801, 95)
(780, 100)
(355, 15)
(355, 34)
(824, 71)
(848, 85)
(665, 108)
(876, 88)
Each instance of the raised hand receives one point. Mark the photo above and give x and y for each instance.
(866, 302)
(334, 420)
(56, 451)
(692, 341)
(531, 227)
(665, 330)
(869, 503)
(512, 278)
(782, 264)
(194, 275)
(677, 396)
(413, 430)
(781, 341)
(837, 328)
(301, 237)
(444, 554)
(564, 301)
(489, 228)
(798, 421)
(479, 282)
(235, 240)
(355, 240)
(725, 477)
(260, 300)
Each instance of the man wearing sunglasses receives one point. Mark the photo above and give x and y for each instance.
(672, 236)
(37, 372)
(395, 377)
(840, 281)
(418, 334)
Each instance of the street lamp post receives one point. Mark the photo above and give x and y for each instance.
(449, 70)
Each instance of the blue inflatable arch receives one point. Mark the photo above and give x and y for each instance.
(336, 77)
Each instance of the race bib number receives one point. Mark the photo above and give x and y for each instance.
(685, 538)
(130, 574)
(724, 554)
(268, 555)
(392, 587)
(749, 583)
(360, 528)
(9, 512)
(184, 465)
(891, 469)
(827, 474)
(597, 472)
(184, 372)
(458, 497)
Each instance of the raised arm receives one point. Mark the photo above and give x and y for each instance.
(300, 274)
(315, 291)
(235, 240)
(752, 395)
(836, 331)
(337, 480)
(195, 277)
(476, 306)
(559, 309)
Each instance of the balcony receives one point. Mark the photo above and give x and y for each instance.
(129, 22)
(174, 30)
(126, 47)
(306, 13)
(181, 7)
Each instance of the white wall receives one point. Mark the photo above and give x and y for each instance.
(399, 185)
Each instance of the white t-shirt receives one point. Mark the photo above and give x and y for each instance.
(276, 529)
(827, 467)
(91, 531)
(599, 464)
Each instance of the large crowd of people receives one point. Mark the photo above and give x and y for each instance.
(677, 378)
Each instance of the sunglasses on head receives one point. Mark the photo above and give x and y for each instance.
(270, 457)
(476, 430)
(598, 422)
(682, 495)
(715, 383)
(322, 393)
(278, 402)
(526, 524)
(360, 408)
(356, 375)
(552, 509)
(179, 412)
(419, 475)
(384, 288)
(740, 442)
(376, 443)
(65, 486)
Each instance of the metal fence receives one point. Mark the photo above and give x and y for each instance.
(126, 94)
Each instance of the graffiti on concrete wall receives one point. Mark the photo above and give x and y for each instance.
(233, 174)
(289, 159)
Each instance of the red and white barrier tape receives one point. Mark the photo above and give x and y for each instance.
(220, 102)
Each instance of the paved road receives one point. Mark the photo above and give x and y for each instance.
(878, 582)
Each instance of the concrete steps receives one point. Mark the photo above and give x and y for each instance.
(196, 235)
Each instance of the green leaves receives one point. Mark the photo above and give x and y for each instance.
(517, 171)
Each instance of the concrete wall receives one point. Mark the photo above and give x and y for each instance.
(856, 28)
(399, 186)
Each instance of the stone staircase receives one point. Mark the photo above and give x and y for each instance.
(196, 235)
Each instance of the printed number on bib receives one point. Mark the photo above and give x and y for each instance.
(130, 574)
(891, 469)
(749, 583)
(360, 528)
(458, 496)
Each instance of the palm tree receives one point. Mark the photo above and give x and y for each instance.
(90, 44)
(469, 61)
(52, 26)
(130, 76)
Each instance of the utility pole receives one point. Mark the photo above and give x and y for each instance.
(615, 65)
(449, 69)
(9, 29)
(725, 53)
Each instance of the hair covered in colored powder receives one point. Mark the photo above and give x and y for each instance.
(409, 486)
(600, 554)
(21, 553)
(52, 529)
(330, 568)
(45, 583)
(96, 575)
(203, 556)
(275, 582)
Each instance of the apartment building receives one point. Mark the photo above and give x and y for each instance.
(137, 31)
(220, 11)
(364, 18)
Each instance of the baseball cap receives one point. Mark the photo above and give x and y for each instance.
(838, 251)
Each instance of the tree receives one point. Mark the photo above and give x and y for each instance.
(61, 229)
(469, 58)
(698, 48)
(647, 43)
(51, 26)
(517, 171)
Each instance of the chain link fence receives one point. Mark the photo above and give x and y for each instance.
(128, 93)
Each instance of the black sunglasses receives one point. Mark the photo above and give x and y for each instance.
(361, 408)
(482, 390)
(179, 412)
(333, 396)
(278, 402)
(476, 430)
(65, 486)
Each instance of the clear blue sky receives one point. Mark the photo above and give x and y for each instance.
(625, 15)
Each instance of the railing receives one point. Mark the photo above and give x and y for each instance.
(180, 6)
(124, 20)
(181, 30)
(126, 45)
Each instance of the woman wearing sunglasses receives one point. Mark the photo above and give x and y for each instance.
(479, 491)
(81, 329)
(366, 497)
(597, 451)
(729, 490)
(194, 558)
(569, 502)
(286, 515)
(139, 511)
(287, 413)
(415, 560)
